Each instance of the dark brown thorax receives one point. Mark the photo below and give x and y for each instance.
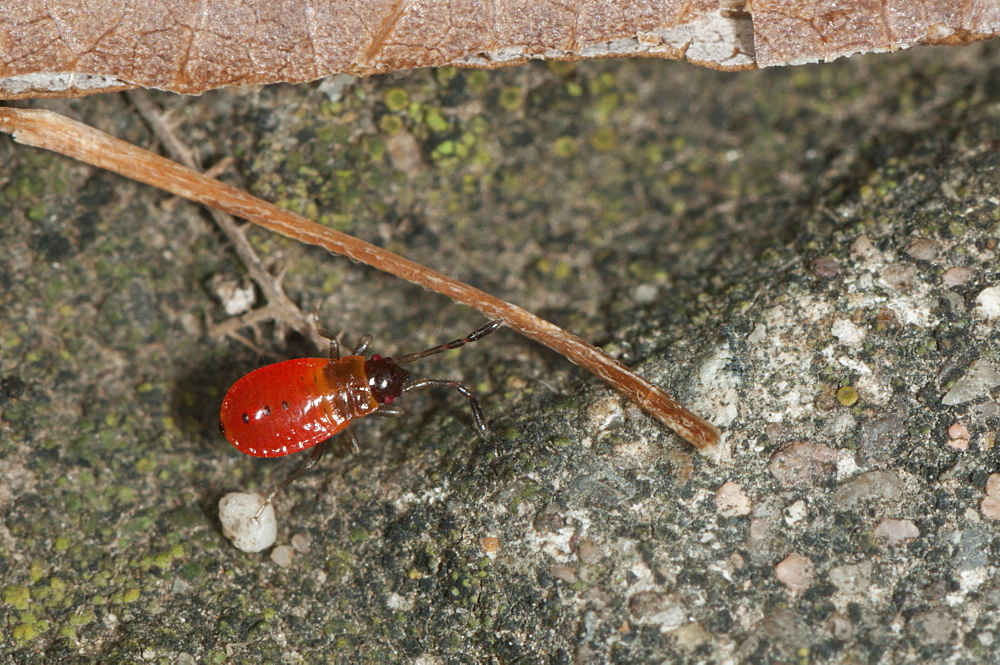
(385, 378)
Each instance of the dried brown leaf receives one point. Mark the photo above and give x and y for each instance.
(789, 32)
(77, 47)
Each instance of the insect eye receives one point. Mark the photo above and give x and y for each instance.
(388, 399)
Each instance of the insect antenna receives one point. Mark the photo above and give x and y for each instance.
(475, 335)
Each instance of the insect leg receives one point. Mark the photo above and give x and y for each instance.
(310, 462)
(477, 411)
(317, 326)
(363, 345)
(352, 438)
(389, 411)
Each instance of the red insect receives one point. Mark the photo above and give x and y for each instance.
(290, 406)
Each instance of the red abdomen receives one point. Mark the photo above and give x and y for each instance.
(283, 408)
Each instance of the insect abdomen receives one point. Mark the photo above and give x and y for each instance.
(283, 408)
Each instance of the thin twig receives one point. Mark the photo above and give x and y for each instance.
(278, 306)
(45, 129)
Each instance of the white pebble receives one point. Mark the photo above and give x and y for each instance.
(988, 302)
(795, 513)
(236, 511)
(236, 297)
(848, 333)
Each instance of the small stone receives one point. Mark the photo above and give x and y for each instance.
(898, 276)
(663, 609)
(841, 626)
(605, 413)
(935, 627)
(990, 506)
(302, 542)
(336, 86)
(759, 535)
(864, 248)
(953, 305)
(589, 551)
(852, 579)
(731, 501)
(882, 438)
(993, 484)
(399, 603)
(848, 333)
(988, 302)
(980, 412)
(895, 532)
(405, 153)
(645, 294)
(839, 425)
(956, 276)
(735, 561)
(691, 636)
(871, 486)
(566, 574)
(924, 249)
(282, 555)
(795, 513)
(980, 378)
(958, 437)
(758, 334)
(795, 572)
(236, 511)
(801, 464)
(824, 266)
(236, 297)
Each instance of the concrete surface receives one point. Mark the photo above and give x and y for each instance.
(807, 256)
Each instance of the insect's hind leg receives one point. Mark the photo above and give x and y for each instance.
(311, 461)
(352, 438)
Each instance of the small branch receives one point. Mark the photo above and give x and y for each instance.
(45, 129)
(278, 304)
